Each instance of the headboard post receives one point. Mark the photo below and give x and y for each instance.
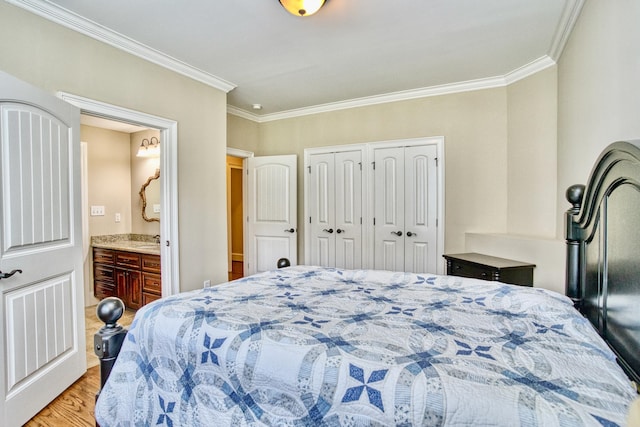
(574, 240)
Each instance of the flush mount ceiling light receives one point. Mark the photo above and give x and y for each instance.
(302, 7)
(149, 148)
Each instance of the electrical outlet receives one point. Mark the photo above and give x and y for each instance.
(97, 210)
(207, 283)
(118, 218)
(156, 208)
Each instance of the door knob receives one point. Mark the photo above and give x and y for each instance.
(7, 275)
(291, 230)
(329, 230)
(339, 231)
(397, 233)
(411, 234)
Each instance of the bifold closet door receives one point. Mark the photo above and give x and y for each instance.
(335, 209)
(405, 209)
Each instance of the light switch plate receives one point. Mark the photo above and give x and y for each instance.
(97, 210)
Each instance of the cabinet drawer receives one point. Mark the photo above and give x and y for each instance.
(152, 283)
(103, 273)
(104, 289)
(103, 256)
(128, 259)
(473, 271)
(151, 263)
(147, 298)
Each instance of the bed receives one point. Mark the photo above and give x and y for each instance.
(311, 346)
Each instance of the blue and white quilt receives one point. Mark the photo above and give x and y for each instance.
(309, 346)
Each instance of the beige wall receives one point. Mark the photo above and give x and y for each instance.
(142, 168)
(57, 59)
(108, 179)
(599, 88)
(475, 131)
(531, 156)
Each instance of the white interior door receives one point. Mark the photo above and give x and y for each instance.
(271, 212)
(41, 315)
(420, 202)
(348, 209)
(389, 209)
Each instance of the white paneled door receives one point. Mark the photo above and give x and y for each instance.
(335, 209)
(41, 314)
(271, 212)
(405, 208)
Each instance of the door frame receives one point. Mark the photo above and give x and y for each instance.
(438, 141)
(170, 251)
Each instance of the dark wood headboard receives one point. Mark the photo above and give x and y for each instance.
(603, 251)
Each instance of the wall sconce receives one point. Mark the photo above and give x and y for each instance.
(302, 7)
(149, 148)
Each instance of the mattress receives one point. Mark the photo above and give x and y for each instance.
(310, 346)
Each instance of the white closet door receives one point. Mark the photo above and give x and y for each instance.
(420, 203)
(348, 209)
(322, 210)
(389, 209)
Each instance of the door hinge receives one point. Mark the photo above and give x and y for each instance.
(247, 219)
(374, 165)
(360, 164)
(309, 167)
(360, 220)
(436, 159)
(309, 220)
(374, 221)
(436, 222)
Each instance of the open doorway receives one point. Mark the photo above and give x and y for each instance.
(236, 205)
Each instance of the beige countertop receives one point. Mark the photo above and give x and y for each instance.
(125, 242)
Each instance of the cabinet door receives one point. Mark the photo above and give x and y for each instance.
(348, 209)
(420, 207)
(134, 284)
(322, 226)
(389, 209)
(121, 285)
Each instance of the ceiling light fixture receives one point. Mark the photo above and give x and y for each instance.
(302, 7)
(149, 148)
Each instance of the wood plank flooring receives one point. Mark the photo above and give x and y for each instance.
(74, 407)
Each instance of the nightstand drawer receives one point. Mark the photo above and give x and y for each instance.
(479, 266)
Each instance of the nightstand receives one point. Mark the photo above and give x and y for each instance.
(485, 267)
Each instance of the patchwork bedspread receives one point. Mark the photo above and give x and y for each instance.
(308, 346)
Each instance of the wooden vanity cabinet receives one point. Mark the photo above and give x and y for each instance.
(151, 279)
(131, 276)
(104, 284)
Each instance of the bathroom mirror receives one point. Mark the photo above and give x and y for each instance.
(150, 196)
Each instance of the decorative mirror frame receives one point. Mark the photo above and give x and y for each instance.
(144, 197)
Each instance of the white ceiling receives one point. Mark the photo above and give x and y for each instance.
(352, 52)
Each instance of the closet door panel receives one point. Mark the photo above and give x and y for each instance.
(348, 209)
(389, 209)
(322, 209)
(420, 209)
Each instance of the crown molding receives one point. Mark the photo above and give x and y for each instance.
(570, 14)
(467, 86)
(89, 28)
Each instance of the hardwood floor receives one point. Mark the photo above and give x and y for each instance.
(74, 407)
(237, 270)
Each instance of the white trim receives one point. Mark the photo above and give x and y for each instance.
(236, 152)
(98, 32)
(468, 86)
(568, 20)
(170, 255)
